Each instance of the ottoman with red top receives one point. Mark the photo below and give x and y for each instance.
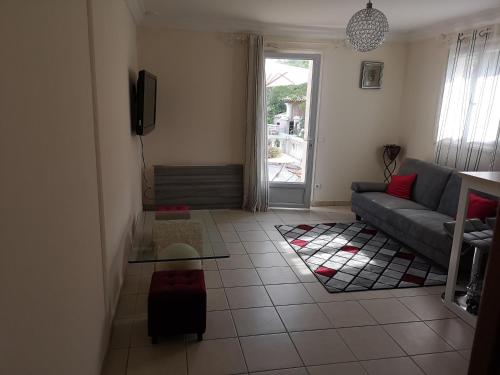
(177, 303)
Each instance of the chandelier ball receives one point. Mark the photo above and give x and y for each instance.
(366, 29)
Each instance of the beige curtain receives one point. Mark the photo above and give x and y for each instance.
(255, 195)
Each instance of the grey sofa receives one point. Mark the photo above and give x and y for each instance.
(417, 223)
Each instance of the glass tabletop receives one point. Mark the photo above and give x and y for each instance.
(153, 238)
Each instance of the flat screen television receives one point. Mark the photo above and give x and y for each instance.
(146, 103)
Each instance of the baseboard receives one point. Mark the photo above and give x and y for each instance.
(330, 203)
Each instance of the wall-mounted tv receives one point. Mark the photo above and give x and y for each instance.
(146, 102)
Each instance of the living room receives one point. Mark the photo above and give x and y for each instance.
(80, 180)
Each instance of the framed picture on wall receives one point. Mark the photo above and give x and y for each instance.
(371, 75)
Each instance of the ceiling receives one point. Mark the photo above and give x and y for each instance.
(320, 15)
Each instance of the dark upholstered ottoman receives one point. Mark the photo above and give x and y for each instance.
(177, 303)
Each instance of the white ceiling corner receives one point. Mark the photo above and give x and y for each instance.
(484, 18)
(137, 9)
(315, 19)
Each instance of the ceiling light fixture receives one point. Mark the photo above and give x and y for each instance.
(366, 29)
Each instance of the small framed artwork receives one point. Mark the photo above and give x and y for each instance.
(371, 75)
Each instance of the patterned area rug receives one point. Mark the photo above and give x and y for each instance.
(356, 256)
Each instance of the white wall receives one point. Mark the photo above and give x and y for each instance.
(115, 56)
(73, 172)
(425, 71)
(201, 105)
(201, 96)
(52, 315)
(354, 123)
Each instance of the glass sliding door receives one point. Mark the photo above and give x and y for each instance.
(291, 97)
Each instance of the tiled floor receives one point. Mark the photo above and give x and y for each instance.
(267, 314)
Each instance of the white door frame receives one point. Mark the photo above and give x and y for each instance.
(300, 189)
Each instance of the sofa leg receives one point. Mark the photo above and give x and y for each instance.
(358, 218)
(200, 336)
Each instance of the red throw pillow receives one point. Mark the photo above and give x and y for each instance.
(400, 186)
(481, 208)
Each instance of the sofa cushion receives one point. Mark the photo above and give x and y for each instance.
(382, 204)
(430, 183)
(441, 258)
(480, 207)
(425, 225)
(448, 204)
(401, 186)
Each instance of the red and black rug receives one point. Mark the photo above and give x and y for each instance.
(356, 256)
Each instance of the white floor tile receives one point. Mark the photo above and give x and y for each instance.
(235, 248)
(465, 354)
(457, 333)
(277, 275)
(240, 277)
(290, 257)
(126, 306)
(120, 333)
(321, 347)
(288, 294)
(288, 371)
(281, 270)
(427, 307)
(130, 284)
(351, 368)
(435, 289)
(450, 363)
(269, 352)
(257, 321)
(219, 325)
(215, 357)
(229, 236)
(216, 300)
(267, 260)
(115, 362)
(247, 296)
(158, 359)
(139, 337)
(285, 248)
(370, 343)
(320, 294)
(209, 264)
(304, 274)
(408, 292)
(303, 317)
(141, 306)
(273, 234)
(392, 366)
(369, 294)
(388, 310)
(243, 227)
(417, 338)
(234, 262)
(253, 235)
(260, 247)
(212, 279)
(347, 314)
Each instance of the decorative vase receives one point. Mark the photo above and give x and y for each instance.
(389, 156)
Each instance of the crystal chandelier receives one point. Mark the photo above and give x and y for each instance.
(366, 29)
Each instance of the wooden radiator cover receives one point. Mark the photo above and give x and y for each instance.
(199, 187)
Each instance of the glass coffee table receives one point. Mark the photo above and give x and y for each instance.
(200, 231)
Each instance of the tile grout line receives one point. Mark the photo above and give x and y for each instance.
(284, 325)
(289, 332)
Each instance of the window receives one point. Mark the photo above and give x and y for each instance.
(469, 120)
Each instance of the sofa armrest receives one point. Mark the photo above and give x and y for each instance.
(362, 187)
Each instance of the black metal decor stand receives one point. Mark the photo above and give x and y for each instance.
(389, 156)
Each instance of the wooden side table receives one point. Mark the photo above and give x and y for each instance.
(487, 182)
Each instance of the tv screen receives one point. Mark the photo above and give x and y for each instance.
(146, 102)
